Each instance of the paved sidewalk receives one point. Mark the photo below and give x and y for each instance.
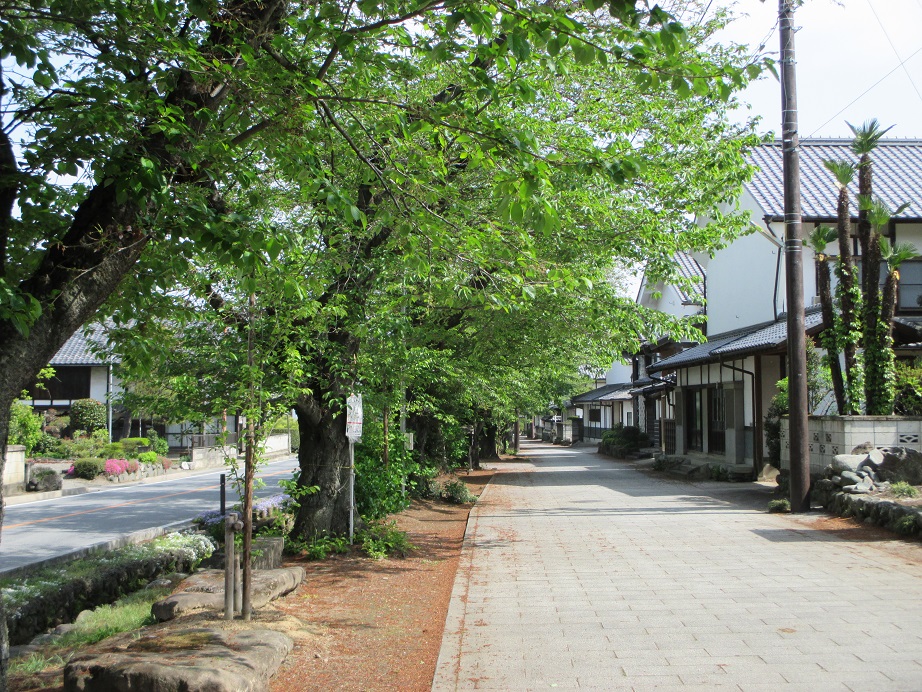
(582, 572)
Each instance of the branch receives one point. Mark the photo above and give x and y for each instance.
(9, 186)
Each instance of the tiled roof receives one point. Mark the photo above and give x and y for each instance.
(78, 350)
(738, 343)
(604, 393)
(897, 177)
(688, 268)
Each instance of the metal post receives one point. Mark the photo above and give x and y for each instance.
(229, 563)
(223, 494)
(793, 252)
(351, 489)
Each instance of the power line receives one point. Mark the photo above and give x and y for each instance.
(895, 51)
(863, 93)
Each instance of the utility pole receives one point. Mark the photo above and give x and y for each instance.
(793, 252)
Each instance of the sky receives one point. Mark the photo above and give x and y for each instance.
(849, 55)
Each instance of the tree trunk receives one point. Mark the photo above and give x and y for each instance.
(324, 461)
(849, 304)
(830, 340)
(488, 447)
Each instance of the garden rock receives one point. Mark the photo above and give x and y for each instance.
(847, 462)
(863, 448)
(189, 660)
(900, 464)
(850, 477)
(205, 590)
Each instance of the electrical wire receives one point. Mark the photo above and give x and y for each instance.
(863, 93)
(895, 51)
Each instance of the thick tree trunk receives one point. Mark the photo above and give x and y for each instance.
(487, 447)
(324, 461)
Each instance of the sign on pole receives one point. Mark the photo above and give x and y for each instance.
(354, 417)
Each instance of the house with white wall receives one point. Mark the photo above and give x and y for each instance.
(723, 387)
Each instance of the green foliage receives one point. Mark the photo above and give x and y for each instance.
(49, 446)
(906, 525)
(380, 489)
(25, 427)
(623, 440)
(903, 489)
(128, 613)
(147, 457)
(89, 468)
(456, 492)
(716, 472)
(158, 444)
(82, 445)
(663, 463)
(319, 548)
(114, 450)
(88, 415)
(131, 444)
(779, 506)
(380, 540)
(907, 400)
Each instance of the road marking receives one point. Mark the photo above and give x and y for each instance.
(121, 504)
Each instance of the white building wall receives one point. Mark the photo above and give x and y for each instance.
(618, 372)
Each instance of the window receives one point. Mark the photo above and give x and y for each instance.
(630, 418)
(910, 288)
(595, 415)
(694, 420)
(68, 383)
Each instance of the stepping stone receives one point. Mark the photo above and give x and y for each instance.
(204, 590)
(195, 659)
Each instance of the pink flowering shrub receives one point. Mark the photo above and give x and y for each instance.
(167, 463)
(133, 466)
(116, 467)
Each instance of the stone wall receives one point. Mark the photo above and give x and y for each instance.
(208, 457)
(14, 471)
(277, 445)
(829, 436)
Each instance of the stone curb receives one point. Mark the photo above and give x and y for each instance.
(115, 543)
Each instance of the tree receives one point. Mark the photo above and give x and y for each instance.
(819, 238)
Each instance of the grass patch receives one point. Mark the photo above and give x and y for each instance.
(129, 613)
(903, 489)
(379, 541)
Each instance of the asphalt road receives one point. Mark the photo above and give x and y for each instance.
(45, 529)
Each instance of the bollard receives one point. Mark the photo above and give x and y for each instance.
(223, 494)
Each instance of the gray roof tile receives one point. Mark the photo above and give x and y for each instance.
(601, 393)
(897, 176)
(688, 268)
(738, 343)
(78, 349)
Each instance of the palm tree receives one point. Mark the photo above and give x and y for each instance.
(878, 343)
(819, 238)
(849, 335)
(894, 256)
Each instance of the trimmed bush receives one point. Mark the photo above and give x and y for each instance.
(147, 457)
(456, 492)
(25, 427)
(623, 440)
(49, 446)
(88, 414)
(114, 450)
(167, 463)
(131, 444)
(89, 468)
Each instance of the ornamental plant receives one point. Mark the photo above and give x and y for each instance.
(116, 467)
(88, 415)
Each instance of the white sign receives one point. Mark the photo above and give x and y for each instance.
(354, 417)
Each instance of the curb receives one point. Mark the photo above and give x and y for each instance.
(113, 544)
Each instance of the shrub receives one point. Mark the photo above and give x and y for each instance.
(83, 445)
(25, 427)
(905, 525)
(908, 389)
(49, 446)
(115, 467)
(903, 489)
(133, 466)
(166, 463)
(379, 489)
(158, 444)
(379, 541)
(319, 548)
(56, 424)
(89, 468)
(113, 450)
(456, 491)
(623, 440)
(131, 444)
(88, 414)
(147, 457)
(779, 506)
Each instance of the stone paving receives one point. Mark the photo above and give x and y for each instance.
(583, 572)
